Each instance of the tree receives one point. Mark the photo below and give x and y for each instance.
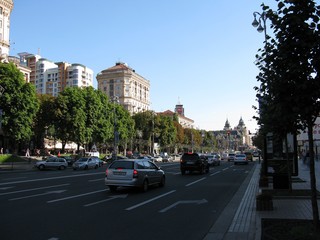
(45, 118)
(19, 105)
(289, 74)
(71, 117)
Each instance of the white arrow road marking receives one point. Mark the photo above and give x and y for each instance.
(33, 189)
(106, 200)
(198, 202)
(37, 195)
(76, 196)
(150, 200)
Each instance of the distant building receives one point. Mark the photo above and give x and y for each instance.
(179, 113)
(236, 139)
(123, 82)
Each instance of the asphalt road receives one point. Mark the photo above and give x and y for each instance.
(67, 205)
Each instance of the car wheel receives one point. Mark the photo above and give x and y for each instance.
(145, 185)
(41, 167)
(183, 172)
(86, 167)
(113, 188)
(163, 181)
(207, 169)
(62, 167)
(96, 166)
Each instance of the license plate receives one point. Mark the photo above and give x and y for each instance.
(119, 173)
(190, 163)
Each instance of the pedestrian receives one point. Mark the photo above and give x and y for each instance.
(1, 151)
(27, 153)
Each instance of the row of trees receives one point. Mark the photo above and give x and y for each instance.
(289, 64)
(86, 116)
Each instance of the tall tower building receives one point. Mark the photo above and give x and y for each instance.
(6, 7)
(123, 82)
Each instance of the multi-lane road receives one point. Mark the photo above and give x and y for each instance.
(66, 205)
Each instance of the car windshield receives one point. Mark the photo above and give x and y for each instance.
(83, 160)
(122, 165)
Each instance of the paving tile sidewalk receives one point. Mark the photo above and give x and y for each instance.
(246, 221)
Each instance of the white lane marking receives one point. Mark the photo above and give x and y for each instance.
(150, 200)
(224, 169)
(215, 173)
(51, 178)
(37, 195)
(198, 202)
(189, 184)
(5, 188)
(96, 180)
(75, 196)
(34, 189)
(106, 200)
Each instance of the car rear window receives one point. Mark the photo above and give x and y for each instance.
(122, 164)
(187, 157)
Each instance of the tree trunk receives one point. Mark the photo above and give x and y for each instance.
(314, 202)
(288, 164)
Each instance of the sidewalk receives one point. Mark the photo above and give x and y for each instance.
(241, 221)
(19, 166)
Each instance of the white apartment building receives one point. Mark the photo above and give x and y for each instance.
(6, 7)
(53, 77)
(123, 82)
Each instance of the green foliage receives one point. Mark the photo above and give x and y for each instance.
(19, 104)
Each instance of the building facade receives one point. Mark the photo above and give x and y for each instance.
(123, 82)
(6, 7)
(53, 77)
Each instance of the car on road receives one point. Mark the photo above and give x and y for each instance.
(231, 157)
(193, 162)
(85, 163)
(240, 158)
(137, 173)
(249, 156)
(213, 160)
(52, 163)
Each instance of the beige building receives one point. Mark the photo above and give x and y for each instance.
(123, 82)
(6, 7)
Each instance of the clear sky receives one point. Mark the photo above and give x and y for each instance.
(200, 53)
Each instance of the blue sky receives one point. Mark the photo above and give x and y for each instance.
(200, 53)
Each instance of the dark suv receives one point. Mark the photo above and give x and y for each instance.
(193, 162)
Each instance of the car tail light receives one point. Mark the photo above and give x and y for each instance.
(107, 172)
(135, 173)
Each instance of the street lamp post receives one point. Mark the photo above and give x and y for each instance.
(260, 24)
(115, 100)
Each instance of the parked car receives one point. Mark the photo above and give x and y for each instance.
(99, 161)
(85, 163)
(139, 173)
(157, 158)
(193, 162)
(52, 163)
(167, 159)
(70, 160)
(249, 156)
(240, 158)
(231, 157)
